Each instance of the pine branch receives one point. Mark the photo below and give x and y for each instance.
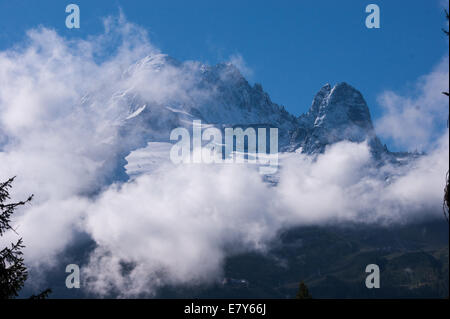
(13, 272)
(43, 295)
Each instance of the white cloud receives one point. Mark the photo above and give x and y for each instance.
(178, 224)
(414, 121)
(59, 120)
(344, 185)
(238, 61)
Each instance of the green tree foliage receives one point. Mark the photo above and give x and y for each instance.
(303, 292)
(446, 205)
(42, 295)
(446, 31)
(13, 272)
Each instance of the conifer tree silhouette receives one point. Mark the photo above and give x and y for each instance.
(13, 271)
(303, 292)
(446, 205)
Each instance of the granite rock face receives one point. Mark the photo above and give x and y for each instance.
(336, 114)
(220, 96)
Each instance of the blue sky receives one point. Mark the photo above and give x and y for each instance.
(292, 47)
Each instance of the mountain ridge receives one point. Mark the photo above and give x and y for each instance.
(220, 95)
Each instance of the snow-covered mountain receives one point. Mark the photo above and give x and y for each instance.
(336, 114)
(219, 95)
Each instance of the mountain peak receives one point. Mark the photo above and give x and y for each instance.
(323, 93)
(348, 107)
(336, 114)
(337, 106)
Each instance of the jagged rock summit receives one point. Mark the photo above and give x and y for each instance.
(219, 95)
(336, 114)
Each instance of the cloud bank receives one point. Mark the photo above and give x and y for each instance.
(416, 120)
(60, 119)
